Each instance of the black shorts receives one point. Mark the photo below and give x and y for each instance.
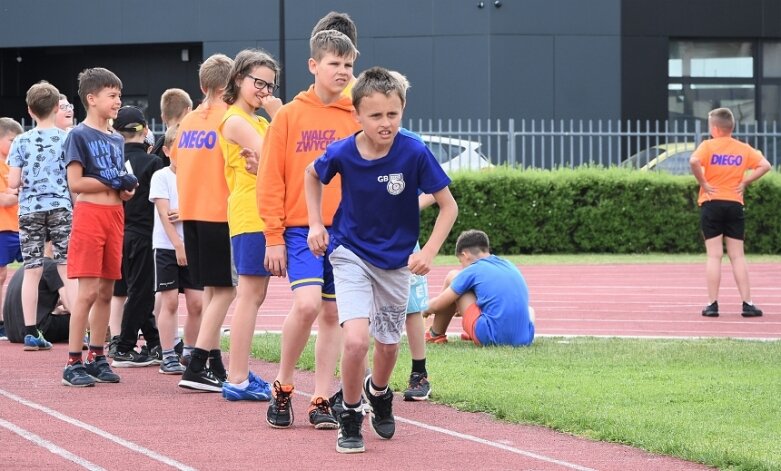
(208, 248)
(55, 327)
(169, 275)
(722, 217)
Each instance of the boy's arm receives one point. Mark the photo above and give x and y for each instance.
(755, 174)
(163, 206)
(425, 200)
(239, 131)
(9, 197)
(14, 177)
(78, 183)
(444, 299)
(699, 173)
(270, 185)
(420, 262)
(318, 235)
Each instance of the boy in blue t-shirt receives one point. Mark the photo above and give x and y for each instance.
(37, 169)
(374, 233)
(490, 293)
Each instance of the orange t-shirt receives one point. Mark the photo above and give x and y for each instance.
(200, 167)
(9, 215)
(298, 134)
(725, 161)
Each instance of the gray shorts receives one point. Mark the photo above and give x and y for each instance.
(37, 228)
(365, 291)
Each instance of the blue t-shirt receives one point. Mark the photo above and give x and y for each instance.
(38, 153)
(101, 154)
(378, 217)
(503, 299)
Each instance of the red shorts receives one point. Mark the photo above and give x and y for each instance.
(95, 247)
(468, 321)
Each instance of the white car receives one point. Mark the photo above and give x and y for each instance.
(456, 154)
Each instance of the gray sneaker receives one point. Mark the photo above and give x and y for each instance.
(101, 371)
(171, 366)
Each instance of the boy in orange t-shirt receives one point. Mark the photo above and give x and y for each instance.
(10, 251)
(720, 166)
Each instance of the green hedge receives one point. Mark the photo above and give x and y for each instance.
(597, 210)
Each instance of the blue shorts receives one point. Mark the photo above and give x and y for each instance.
(10, 249)
(303, 268)
(249, 250)
(418, 294)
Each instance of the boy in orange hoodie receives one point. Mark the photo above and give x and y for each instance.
(299, 133)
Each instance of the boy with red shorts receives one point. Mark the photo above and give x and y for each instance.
(96, 174)
(720, 165)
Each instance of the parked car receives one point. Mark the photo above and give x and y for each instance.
(672, 158)
(456, 154)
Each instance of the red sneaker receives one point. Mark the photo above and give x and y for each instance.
(441, 338)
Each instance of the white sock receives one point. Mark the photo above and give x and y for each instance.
(376, 392)
(243, 385)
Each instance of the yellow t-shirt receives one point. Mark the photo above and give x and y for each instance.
(243, 214)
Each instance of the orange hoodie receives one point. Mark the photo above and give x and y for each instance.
(299, 133)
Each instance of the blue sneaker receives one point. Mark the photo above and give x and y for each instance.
(257, 390)
(32, 344)
(2, 333)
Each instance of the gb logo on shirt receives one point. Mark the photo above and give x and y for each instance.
(396, 183)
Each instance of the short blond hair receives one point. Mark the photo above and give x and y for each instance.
(170, 136)
(722, 118)
(214, 72)
(332, 41)
(379, 80)
(174, 104)
(9, 126)
(43, 99)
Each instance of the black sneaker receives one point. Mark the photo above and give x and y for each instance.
(155, 354)
(280, 409)
(179, 347)
(203, 380)
(131, 359)
(76, 376)
(749, 310)
(112, 346)
(337, 402)
(349, 439)
(320, 414)
(418, 389)
(383, 423)
(711, 310)
(101, 371)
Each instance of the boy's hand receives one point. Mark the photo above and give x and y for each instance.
(181, 256)
(251, 160)
(173, 215)
(708, 188)
(420, 263)
(741, 188)
(12, 191)
(275, 260)
(317, 240)
(126, 195)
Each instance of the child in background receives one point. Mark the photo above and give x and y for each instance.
(171, 272)
(45, 211)
(10, 250)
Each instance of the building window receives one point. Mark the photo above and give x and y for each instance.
(744, 76)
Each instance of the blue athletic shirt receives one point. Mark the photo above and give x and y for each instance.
(378, 217)
(101, 154)
(503, 299)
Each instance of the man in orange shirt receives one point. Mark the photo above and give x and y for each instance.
(720, 166)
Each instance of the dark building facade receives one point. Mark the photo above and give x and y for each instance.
(552, 59)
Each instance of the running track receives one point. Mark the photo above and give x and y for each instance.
(146, 422)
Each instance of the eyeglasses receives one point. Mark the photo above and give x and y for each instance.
(261, 84)
(66, 107)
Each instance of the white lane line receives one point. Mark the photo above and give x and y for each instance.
(43, 443)
(151, 454)
(482, 441)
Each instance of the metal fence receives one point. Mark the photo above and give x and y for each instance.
(528, 143)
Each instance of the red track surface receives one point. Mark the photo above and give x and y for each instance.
(147, 421)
